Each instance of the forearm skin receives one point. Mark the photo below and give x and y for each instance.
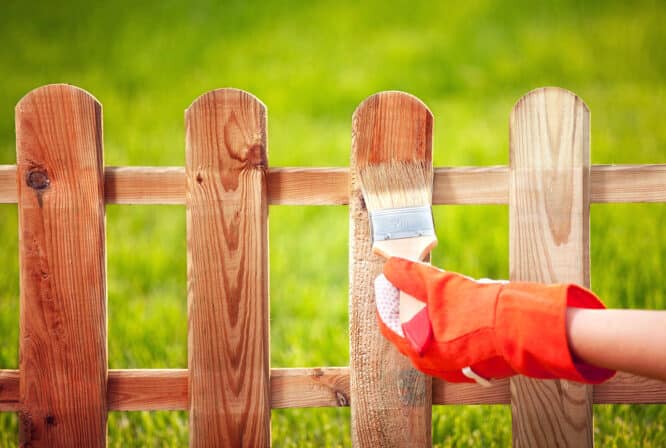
(631, 341)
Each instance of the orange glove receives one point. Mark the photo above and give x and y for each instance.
(486, 329)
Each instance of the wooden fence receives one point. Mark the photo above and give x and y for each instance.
(63, 388)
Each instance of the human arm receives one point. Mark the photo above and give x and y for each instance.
(632, 341)
(501, 328)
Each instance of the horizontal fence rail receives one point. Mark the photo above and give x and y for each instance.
(330, 186)
(166, 390)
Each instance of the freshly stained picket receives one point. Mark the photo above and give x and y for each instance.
(549, 203)
(227, 247)
(390, 400)
(63, 355)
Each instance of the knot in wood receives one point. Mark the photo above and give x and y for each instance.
(38, 179)
(256, 156)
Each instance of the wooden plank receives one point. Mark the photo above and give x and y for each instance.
(145, 185)
(330, 186)
(308, 186)
(62, 342)
(470, 393)
(301, 388)
(471, 185)
(625, 388)
(628, 183)
(148, 389)
(391, 401)
(9, 390)
(8, 187)
(166, 390)
(227, 253)
(549, 208)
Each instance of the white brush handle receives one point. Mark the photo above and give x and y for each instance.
(416, 248)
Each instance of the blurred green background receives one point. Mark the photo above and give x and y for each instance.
(312, 64)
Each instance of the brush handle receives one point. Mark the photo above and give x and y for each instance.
(416, 249)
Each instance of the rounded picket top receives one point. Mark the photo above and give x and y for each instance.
(226, 127)
(401, 115)
(55, 91)
(398, 97)
(547, 93)
(53, 103)
(227, 95)
(67, 117)
(551, 112)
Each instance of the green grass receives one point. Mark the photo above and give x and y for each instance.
(312, 64)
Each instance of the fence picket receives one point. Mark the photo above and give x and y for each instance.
(227, 215)
(549, 205)
(63, 354)
(391, 402)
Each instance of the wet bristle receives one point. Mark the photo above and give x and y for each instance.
(396, 184)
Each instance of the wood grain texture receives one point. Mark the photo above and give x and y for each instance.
(299, 388)
(628, 183)
(330, 186)
(166, 390)
(62, 342)
(145, 185)
(9, 390)
(308, 186)
(8, 186)
(549, 208)
(630, 389)
(390, 401)
(470, 393)
(227, 254)
(148, 389)
(471, 185)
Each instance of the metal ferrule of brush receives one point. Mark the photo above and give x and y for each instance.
(397, 223)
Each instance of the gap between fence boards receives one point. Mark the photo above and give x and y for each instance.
(166, 389)
(330, 186)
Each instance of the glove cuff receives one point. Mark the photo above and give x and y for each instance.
(531, 330)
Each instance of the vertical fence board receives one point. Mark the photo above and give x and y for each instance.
(549, 206)
(390, 401)
(63, 355)
(227, 255)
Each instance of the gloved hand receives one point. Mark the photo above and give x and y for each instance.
(486, 329)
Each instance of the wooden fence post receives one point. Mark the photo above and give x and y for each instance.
(391, 402)
(227, 255)
(549, 206)
(63, 353)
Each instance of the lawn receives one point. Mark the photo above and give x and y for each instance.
(312, 64)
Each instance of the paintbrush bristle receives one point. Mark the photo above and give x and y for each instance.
(396, 184)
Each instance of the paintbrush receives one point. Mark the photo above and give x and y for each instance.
(394, 165)
(398, 197)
